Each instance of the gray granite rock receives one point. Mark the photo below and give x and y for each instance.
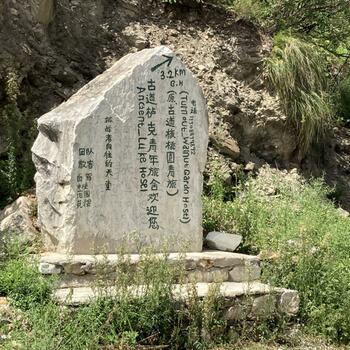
(17, 221)
(119, 165)
(223, 241)
(245, 273)
(289, 302)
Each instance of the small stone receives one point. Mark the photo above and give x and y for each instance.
(250, 166)
(65, 76)
(5, 311)
(14, 12)
(226, 145)
(245, 273)
(136, 37)
(289, 302)
(343, 212)
(223, 241)
(49, 269)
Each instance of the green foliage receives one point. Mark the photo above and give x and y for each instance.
(173, 2)
(342, 99)
(325, 23)
(307, 239)
(297, 72)
(16, 169)
(255, 10)
(20, 280)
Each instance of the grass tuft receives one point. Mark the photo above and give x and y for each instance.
(297, 72)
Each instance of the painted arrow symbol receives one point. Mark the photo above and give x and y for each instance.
(168, 60)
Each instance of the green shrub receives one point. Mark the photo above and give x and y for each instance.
(21, 282)
(16, 168)
(343, 99)
(325, 23)
(255, 10)
(281, 216)
(297, 72)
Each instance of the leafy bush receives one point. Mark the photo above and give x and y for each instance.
(325, 23)
(343, 99)
(16, 168)
(257, 11)
(297, 72)
(292, 223)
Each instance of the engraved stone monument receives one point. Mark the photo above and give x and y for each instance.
(120, 163)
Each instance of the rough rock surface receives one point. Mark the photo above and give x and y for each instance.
(235, 295)
(17, 221)
(223, 241)
(82, 270)
(245, 273)
(120, 164)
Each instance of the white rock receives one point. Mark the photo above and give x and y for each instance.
(49, 269)
(223, 241)
(16, 221)
(112, 174)
(289, 302)
(342, 212)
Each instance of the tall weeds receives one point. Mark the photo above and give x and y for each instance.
(149, 315)
(302, 238)
(297, 72)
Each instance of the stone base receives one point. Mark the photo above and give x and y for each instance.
(207, 266)
(242, 300)
(236, 275)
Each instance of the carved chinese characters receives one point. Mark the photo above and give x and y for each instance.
(119, 165)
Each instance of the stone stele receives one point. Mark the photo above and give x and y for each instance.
(119, 165)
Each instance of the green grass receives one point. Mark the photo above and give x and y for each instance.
(21, 281)
(297, 72)
(293, 221)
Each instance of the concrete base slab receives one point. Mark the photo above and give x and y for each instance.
(261, 300)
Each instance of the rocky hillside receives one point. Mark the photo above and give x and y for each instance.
(55, 47)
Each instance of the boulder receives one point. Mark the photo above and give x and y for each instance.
(17, 221)
(120, 164)
(228, 242)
